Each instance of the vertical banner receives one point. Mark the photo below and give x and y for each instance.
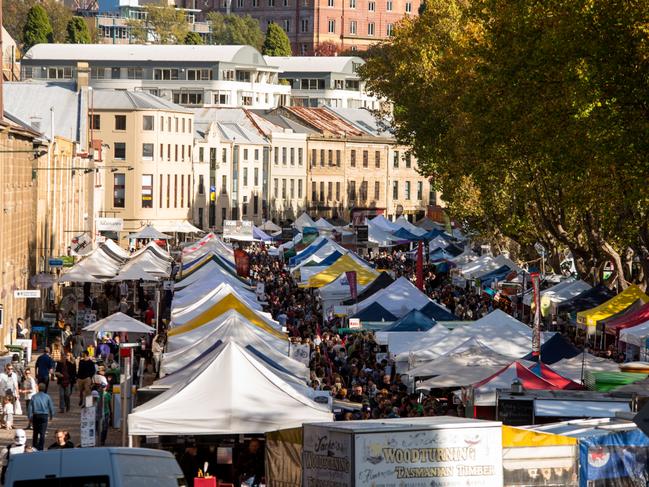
(536, 331)
(351, 279)
(242, 262)
(420, 265)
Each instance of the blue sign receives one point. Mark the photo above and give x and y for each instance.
(55, 262)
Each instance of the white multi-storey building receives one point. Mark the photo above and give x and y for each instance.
(194, 76)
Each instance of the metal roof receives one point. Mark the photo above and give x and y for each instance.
(364, 120)
(325, 121)
(276, 118)
(233, 124)
(315, 64)
(108, 99)
(144, 53)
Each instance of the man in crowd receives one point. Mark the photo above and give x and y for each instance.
(44, 367)
(85, 373)
(66, 376)
(62, 441)
(40, 411)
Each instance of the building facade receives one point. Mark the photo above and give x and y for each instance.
(143, 148)
(348, 24)
(192, 76)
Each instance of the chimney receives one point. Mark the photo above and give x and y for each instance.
(83, 74)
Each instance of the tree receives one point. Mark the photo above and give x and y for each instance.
(529, 117)
(327, 48)
(77, 31)
(235, 30)
(37, 29)
(276, 42)
(15, 15)
(193, 38)
(164, 24)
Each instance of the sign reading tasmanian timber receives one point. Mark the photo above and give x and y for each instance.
(451, 458)
(326, 458)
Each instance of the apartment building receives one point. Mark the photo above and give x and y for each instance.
(324, 81)
(144, 152)
(349, 24)
(192, 76)
(352, 171)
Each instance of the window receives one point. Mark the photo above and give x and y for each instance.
(224, 156)
(299, 188)
(420, 190)
(322, 195)
(271, 3)
(408, 7)
(245, 154)
(119, 190)
(182, 190)
(246, 100)
(175, 190)
(292, 156)
(168, 190)
(352, 27)
(371, 6)
(224, 184)
(352, 190)
(352, 3)
(176, 152)
(147, 122)
(292, 186)
(330, 186)
(115, 73)
(407, 191)
(95, 122)
(276, 156)
(314, 157)
(168, 152)
(285, 3)
(337, 190)
(162, 152)
(388, 5)
(276, 187)
(408, 160)
(134, 73)
(352, 158)
(389, 29)
(283, 188)
(370, 29)
(304, 25)
(201, 184)
(59, 73)
(322, 157)
(201, 154)
(314, 193)
(330, 154)
(147, 190)
(377, 158)
(255, 204)
(255, 3)
(199, 74)
(338, 158)
(245, 176)
(330, 3)
(120, 151)
(331, 26)
(183, 125)
(396, 159)
(160, 200)
(256, 176)
(363, 191)
(366, 158)
(188, 97)
(244, 204)
(222, 98)
(377, 190)
(120, 122)
(287, 25)
(147, 152)
(243, 76)
(165, 74)
(300, 156)
(97, 73)
(284, 156)
(256, 154)
(395, 190)
(312, 84)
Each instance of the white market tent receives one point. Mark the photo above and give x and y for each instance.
(202, 287)
(465, 257)
(438, 242)
(234, 394)
(302, 221)
(398, 298)
(134, 273)
(559, 292)
(636, 335)
(116, 249)
(379, 236)
(176, 226)
(269, 226)
(384, 224)
(323, 224)
(235, 327)
(119, 323)
(180, 316)
(149, 232)
(572, 368)
(78, 274)
(415, 230)
(403, 341)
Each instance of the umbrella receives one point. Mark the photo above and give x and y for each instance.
(148, 232)
(119, 322)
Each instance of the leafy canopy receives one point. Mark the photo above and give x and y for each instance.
(77, 31)
(37, 28)
(235, 30)
(276, 42)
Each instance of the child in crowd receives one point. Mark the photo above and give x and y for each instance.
(8, 412)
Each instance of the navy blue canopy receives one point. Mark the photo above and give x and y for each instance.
(375, 312)
(555, 349)
(438, 313)
(495, 275)
(404, 234)
(413, 321)
(437, 233)
(381, 282)
(588, 299)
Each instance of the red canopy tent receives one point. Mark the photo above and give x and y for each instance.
(640, 315)
(554, 377)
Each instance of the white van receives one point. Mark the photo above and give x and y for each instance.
(94, 467)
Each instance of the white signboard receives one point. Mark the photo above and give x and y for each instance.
(326, 457)
(109, 224)
(301, 353)
(87, 432)
(354, 323)
(237, 229)
(81, 244)
(27, 293)
(455, 457)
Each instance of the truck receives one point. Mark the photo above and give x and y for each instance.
(428, 451)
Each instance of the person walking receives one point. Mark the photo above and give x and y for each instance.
(85, 372)
(44, 367)
(66, 375)
(62, 441)
(28, 389)
(41, 410)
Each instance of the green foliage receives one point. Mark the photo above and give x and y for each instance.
(276, 42)
(193, 38)
(77, 31)
(15, 13)
(37, 29)
(235, 30)
(164, 24)
(530, 117)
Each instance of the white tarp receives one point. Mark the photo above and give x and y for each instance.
(249, 399)
(302, 221)
(119, 323)
(573, 368)
(180, 316)
(415, 230)
(636, 335)
(404, 341)
(398, 298)
(384, 224)
(323, 224)
(559, 292)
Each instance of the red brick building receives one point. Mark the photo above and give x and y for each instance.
(349, 24)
